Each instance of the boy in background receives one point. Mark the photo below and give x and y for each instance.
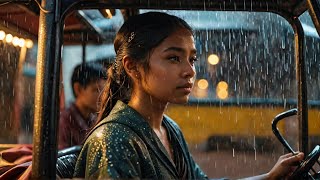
(87, 82)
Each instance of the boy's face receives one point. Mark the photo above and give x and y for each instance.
(88, 96)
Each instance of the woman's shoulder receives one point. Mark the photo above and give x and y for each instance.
(112, 131)
(110, 142)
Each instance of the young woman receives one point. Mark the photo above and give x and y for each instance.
(154, 66)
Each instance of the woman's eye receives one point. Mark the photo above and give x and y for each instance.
(174, 58)
(194, 59)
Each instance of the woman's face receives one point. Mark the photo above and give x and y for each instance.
(171, 74)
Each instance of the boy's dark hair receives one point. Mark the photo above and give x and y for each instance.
(84, 74)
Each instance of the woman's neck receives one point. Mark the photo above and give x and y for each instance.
(151, 110)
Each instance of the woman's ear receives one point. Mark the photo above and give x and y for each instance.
(131, 67)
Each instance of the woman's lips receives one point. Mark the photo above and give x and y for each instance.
(186, 87)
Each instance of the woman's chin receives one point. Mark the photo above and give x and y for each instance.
(183, 100)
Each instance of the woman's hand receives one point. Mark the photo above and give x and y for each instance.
(285, 166)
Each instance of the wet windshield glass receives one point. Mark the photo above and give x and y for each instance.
(246, 75)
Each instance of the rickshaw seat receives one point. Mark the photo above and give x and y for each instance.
(66, 161)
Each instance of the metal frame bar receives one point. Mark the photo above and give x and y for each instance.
(84, 52)
(302, 99)
(218, 5)
(46, 112)
(302, 85)
(39, 166)
(314, 10)
(49, 55)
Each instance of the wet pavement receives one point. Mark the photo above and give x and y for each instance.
(232, 164)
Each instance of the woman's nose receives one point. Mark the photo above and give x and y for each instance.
(188, 71)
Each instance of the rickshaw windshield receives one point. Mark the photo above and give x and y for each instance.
(246, 75)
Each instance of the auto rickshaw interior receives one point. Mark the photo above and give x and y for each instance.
(256, 61)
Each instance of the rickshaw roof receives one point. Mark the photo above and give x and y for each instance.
(24, 14)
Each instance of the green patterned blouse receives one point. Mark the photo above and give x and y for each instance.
(124, 146)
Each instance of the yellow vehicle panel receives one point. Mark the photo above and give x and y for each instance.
(200, 122)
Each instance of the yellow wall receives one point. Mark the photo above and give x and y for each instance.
(200, 122)
(314, 122)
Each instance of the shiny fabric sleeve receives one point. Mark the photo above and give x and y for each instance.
(197, 172)
(112, 151)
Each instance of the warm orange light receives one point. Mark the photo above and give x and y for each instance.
(29, 43)
(9, 38)
(203, 84)
(222, 94)
(15, 41)
(2, 35)
(222, 85)
(213, 59)
(22, 42)
(222, 90)
(108, 13)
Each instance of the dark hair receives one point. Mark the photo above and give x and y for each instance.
(86, 73)
(136, 38)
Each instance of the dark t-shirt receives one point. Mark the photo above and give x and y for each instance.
(73, 127)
